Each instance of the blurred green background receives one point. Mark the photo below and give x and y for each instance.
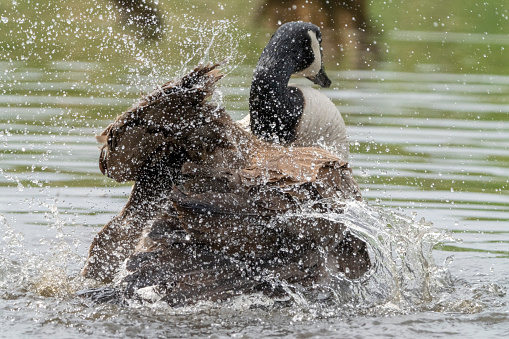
(89, 30)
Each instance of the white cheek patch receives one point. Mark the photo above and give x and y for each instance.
(315, 67)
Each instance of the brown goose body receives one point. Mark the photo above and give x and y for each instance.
(214, 210)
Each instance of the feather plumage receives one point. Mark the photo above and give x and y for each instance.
(212, 205)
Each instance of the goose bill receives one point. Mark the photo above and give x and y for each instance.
(321, 79)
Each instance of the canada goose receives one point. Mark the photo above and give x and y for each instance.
(291, 114)
(215, 211)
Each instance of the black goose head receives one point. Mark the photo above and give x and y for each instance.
(276, 108)
(296, 48)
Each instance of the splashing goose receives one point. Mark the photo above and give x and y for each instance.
(215, 211)
(294, 114)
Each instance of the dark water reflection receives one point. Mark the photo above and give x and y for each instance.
(429, 129)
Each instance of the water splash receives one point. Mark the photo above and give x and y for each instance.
(206, 41)
(403, 276)
(13, 274)
(50, 273)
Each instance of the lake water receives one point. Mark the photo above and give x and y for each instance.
(429, 132)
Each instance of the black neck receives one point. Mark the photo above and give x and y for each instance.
(274, 107)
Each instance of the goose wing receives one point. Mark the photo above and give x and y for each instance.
(141, 134)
